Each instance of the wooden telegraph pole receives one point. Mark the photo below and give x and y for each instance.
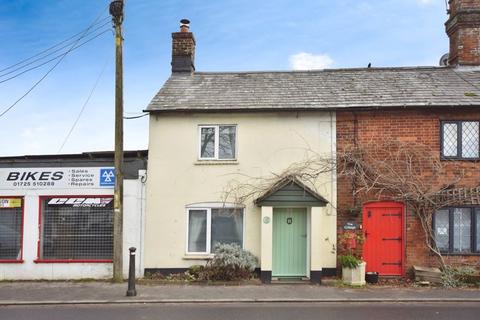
(116, 10)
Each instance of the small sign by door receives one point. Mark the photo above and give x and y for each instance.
(350, 226)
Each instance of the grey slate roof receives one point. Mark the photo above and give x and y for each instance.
(320, 90)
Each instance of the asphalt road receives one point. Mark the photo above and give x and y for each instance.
(264, 311)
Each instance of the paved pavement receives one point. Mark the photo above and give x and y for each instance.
(31, 293)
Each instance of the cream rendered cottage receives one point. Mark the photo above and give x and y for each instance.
(212, 131)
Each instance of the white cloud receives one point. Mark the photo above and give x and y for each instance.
(425, 1)
(309, 61)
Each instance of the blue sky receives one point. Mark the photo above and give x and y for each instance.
(231, 36)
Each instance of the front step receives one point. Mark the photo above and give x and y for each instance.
(291, 280)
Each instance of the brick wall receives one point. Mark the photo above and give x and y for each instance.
(183, 52)
(420, 126)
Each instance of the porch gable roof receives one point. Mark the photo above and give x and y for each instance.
(290, 191)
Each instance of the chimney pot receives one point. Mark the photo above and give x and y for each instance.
(184, 25)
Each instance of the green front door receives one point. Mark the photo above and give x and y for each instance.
(289, 242)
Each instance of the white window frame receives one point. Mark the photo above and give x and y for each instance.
(216, 152)
(208, 209)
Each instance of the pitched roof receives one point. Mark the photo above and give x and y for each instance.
(320, 90)
(289, 190)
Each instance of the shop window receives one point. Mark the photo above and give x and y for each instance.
(11, 229)
(76, 228)
(208, 227)
(460, 139)
(457, 230)
(217, 142)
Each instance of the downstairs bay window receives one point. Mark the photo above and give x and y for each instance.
(457, 230)
(208, 227)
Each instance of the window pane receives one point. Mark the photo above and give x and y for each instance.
(227, 226)
(10, 229)
(75, 228)
(226, 147)
(197, 231)
(207, 148)
(450, 139)
(461, 230)
(478, 229)
(442, 230)
(470, 136)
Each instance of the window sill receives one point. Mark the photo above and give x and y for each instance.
(215, 162)
(72, 261)
(11, 261)
(197, 257)
(459, 159)
(466, 254)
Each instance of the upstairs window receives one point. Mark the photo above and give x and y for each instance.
(460, 139)
(217, 142)
(457, 230)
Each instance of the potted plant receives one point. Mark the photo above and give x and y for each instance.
(353, 267)
(353, 270)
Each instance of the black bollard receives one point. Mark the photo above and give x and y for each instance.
(131, 291)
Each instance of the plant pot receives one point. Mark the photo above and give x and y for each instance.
(354, 277)
(371, 277)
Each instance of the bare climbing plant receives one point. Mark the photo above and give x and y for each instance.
(393, 170)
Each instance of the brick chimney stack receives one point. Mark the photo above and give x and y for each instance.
(463, 29)
(183, 49)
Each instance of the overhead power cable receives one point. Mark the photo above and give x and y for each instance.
(53, 67)
(54, 46)
(136, 117)
(54, 58)
(132, 112)
(83, 107)
(47, 55)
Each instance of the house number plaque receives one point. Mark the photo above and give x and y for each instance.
(266, 220)
(289, 220)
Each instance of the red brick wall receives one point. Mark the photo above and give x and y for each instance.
(421, 126)
(456, 5)
(183, 52)
(183, 44)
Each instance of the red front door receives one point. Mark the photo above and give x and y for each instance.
(384, 243)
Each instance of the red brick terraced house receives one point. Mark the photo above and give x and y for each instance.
(435, 111)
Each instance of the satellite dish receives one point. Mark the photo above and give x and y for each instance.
(444, 60)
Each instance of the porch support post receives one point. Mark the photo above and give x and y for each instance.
(317, 239)
(266, 247)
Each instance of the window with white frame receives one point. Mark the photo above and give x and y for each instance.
(457, 230)
(76, 228)
(217, 142)
(208, 227)
(11, 225)
(460, 139)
